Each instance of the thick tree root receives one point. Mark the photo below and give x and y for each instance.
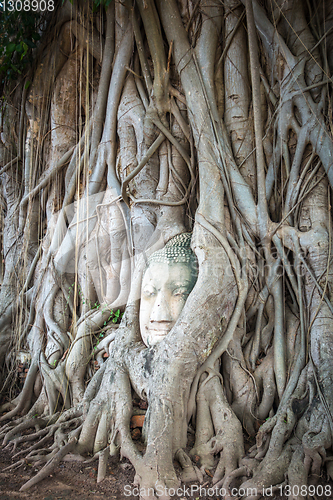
(24, 403)
(223, 432)
(189, 473)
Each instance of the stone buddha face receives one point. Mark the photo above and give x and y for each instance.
(169, 278)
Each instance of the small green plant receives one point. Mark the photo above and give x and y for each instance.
(96, 3)
(19, 33)
(115, 317)
(84, 300)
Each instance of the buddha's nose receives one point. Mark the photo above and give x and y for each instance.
(161, 310)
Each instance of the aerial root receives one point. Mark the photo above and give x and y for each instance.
(10, 426)
(54, 461)
(15, 466)
(314, 458)
(24, 439)
(39, 443)
(47, 432)
(297, 473)
(226, 481)
(6, 428)
(55, 384)
(261, 452)
(37, 456)
(9, 406)
(23, 404)
(102, 464)
(102, 457)
(189, 472)
(51, 426)
(317, 439)
(271, 471)
(60, 436)
(33, 422)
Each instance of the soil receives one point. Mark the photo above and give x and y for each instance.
(77, 481)
(70, 481)
(74, 480)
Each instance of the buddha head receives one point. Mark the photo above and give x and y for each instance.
(168, 280)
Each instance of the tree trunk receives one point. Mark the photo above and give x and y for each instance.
(144, 124)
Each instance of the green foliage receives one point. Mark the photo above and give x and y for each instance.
(18, 37)
(19, 33)
(115, 316)
(96, 3)
(105, 3)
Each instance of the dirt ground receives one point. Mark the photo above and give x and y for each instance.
(70, 481)
(77, 481)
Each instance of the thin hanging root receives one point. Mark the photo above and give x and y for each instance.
(153, 148)
(47, 179)
(102, 463)
(51, 464)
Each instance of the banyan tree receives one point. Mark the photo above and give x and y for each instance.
(167, 237)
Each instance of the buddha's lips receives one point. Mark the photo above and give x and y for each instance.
(159, 331)
(162, 326)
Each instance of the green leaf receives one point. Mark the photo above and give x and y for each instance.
(29, 43)
(15, 68)
(10, 48)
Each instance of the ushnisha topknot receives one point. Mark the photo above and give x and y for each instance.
(178, 249)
